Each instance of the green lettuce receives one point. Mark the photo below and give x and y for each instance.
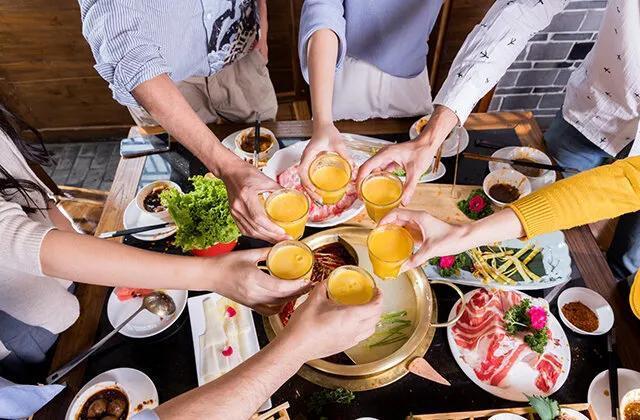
(202, 216)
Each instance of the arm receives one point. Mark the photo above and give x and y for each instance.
(76, 257)
(482, 60)
(139, 75)
(262, 44)
(318, 328)
(322, 48)
(323, 52)
(601, 193)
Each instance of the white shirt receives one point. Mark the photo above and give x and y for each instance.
(603, 94)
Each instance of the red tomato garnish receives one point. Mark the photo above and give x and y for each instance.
(231, 312)
(227, 351)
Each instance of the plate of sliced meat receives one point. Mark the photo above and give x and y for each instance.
(499, 361)
(283, 167)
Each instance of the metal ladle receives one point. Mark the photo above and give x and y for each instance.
(157, 303)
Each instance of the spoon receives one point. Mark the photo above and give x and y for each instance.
(157, 303)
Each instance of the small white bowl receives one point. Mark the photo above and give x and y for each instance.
(74, 411)
(142, 194)
(534, 155)
(593, 301)
(631, 396)
(248, 132)
(506, 176)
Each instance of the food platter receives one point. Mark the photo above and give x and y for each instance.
(285, 158)
(555, 258)
(518, 380)
(389, 364)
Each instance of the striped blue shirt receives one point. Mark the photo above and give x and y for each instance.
(136, 40)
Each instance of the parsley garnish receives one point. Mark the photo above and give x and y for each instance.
(318, 400)
(516, 319)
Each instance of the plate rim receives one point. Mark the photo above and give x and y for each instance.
(131, 208)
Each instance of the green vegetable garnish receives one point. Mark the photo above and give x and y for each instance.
(476, 206)
(546, 408)
(461, 261)
(320, 399)
(392, 327)
(202, 216)
(516, 319)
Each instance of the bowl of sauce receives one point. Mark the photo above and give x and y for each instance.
(244, 143)
(149, 202)
(102, 401)
(505, 186)
(529, 154)
(584, 311)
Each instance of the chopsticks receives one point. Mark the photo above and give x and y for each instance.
(256, 141)
(613, 374)
(117, 233)
(525, 163)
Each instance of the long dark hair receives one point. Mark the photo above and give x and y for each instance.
(13, 127)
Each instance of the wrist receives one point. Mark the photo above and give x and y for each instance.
(322, 124)
(286, 341)
(441, 123)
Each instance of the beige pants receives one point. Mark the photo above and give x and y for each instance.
(233, 94)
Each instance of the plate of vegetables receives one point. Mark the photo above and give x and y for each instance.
(539, 263)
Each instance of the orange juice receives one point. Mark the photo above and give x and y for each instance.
(381, 193)
(290, 260)
(330, 174)
(289, 209)
(389, 247)
(350, 285)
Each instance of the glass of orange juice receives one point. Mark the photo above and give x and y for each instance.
(330, 174)
(288, 209)
(381, 192)
(389, 247)
(290, 260)
(351, 285)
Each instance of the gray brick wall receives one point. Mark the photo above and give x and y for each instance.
(536, 80)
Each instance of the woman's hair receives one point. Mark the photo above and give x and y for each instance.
(13, 126)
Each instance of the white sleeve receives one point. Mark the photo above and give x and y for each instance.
(491, 48)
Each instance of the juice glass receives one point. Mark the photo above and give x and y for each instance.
(381, 192)
(330, 174)
(351, 285)
(290, 260)
(288, 209)
(389, 247)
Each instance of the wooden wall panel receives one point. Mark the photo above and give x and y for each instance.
(47, 74)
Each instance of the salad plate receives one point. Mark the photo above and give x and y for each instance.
(555, 260)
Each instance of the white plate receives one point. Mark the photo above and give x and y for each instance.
(512, 393)
(555, 258)
(536, 182)
(145, 324)
(593, 301)
(230, 143)
(600, 403)
(139, 387)
(507, 416)
(133, 217)
(289, 156)
(459, 135)
(249, 343)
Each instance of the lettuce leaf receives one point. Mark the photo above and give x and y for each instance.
(202, 216)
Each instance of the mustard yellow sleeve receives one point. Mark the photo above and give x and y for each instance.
(601, 193)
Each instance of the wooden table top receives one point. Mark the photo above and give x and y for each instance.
(584, 249)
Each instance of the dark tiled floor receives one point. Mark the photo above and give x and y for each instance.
(86, 165)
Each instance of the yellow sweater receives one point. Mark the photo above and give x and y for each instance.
(601, 193)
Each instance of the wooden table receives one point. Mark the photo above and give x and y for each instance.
(583, 247)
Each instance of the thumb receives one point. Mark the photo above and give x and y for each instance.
(417, 259)
(256, 255)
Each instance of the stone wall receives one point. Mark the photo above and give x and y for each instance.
(536, 81)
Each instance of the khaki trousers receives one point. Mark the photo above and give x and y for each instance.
(233, 94)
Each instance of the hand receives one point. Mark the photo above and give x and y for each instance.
(244, 186)
(319, 327)
(243, 282)
(262, 46)
(325, 138)
(414, 157)
(436, 238)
